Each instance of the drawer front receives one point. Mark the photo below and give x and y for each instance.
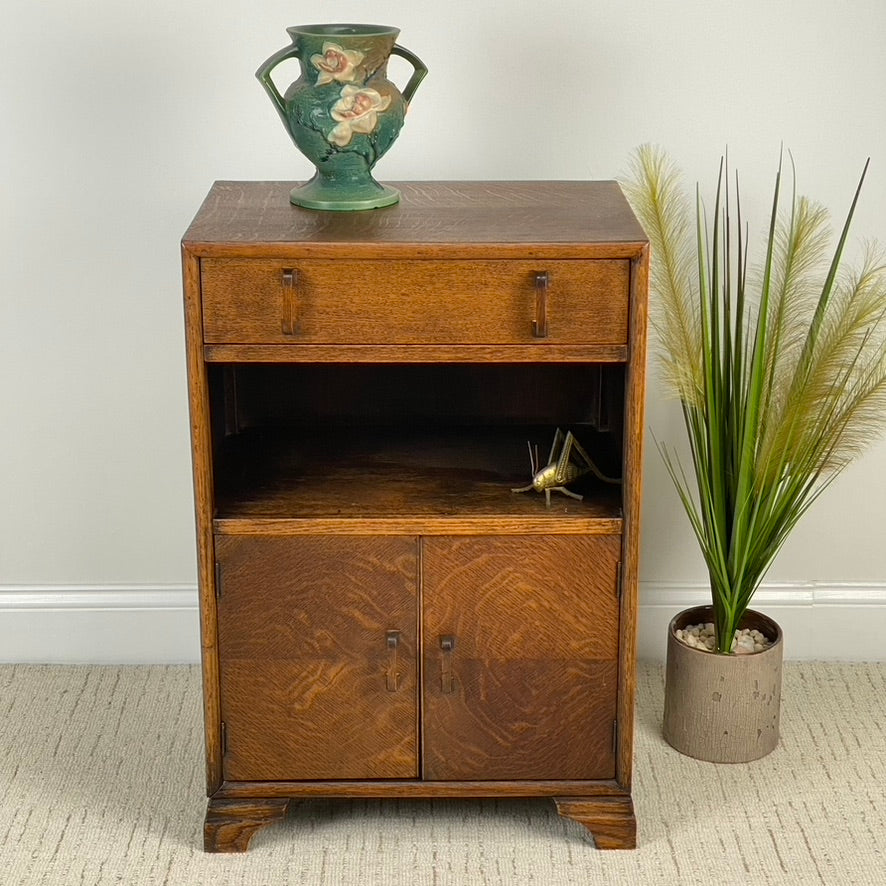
(257, 301)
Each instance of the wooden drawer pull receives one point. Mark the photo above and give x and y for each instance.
(392, 675)
(540, 323)
(290, 301)
(447, 680)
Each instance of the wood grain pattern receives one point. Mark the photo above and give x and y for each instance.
(304, 657)
(591, 521)
(535, 626)
(413, 302)
(512, 787)
(230, 825)
(202, 464)
(610, 820)
(634, 424)
(459, 219)
(539, 351)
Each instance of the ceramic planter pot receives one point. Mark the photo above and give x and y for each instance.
(342, 112)
(722, 708)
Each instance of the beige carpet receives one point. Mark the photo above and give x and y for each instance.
(101, 783)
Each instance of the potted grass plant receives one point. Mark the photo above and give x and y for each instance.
(779, 365)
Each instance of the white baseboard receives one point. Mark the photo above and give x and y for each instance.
(123, 624)
(140, 624)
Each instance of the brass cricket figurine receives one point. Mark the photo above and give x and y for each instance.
(567, 462)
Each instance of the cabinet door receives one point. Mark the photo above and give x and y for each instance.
(317, 650)
(520, 657)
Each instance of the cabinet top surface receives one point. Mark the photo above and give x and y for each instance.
(431, 214)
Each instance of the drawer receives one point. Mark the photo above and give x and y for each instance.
(258, 301)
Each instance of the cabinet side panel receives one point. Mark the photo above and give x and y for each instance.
(635, 402)
(520, 657)
(317, 637)
(201, 453)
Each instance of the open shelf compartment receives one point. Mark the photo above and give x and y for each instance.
(412, 477)
(303, 448)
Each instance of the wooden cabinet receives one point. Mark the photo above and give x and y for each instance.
(381, 614)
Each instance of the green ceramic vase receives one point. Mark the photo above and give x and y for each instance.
(342, 113)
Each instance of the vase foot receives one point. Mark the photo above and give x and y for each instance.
(320, 194)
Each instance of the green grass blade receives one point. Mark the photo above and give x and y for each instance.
(788, 385)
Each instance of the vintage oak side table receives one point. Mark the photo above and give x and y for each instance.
(381, 615)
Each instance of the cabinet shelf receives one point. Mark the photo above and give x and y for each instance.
(395, 480)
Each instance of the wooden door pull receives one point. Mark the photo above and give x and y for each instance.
(289, 319)
(392, 675)
(447, 680)
(540, 323)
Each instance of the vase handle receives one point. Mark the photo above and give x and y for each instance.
(417, 75)
(263, 74)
